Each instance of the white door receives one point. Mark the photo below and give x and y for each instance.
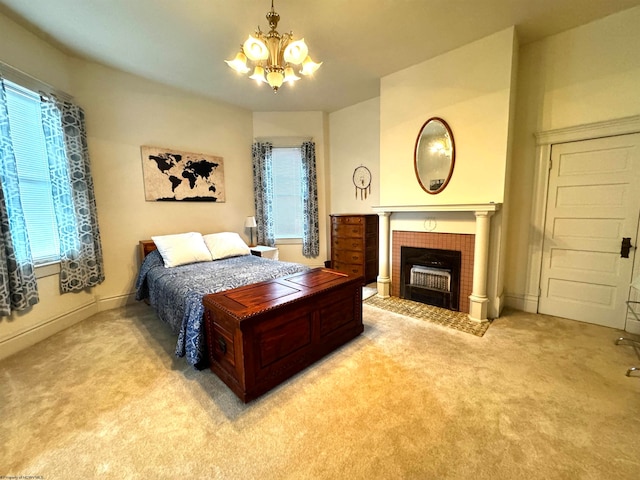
(593, 203)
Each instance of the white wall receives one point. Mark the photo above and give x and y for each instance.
(587, 74)
(313, 125)
(355, 141)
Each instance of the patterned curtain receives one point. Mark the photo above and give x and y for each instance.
(263, 192)
(18, 286)
(81, 263)
(310, 228)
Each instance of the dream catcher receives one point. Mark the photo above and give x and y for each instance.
(362, 181)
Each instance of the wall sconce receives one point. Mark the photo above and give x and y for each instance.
(250, 223)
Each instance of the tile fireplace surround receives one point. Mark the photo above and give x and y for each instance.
(474, 248)
(462, 243)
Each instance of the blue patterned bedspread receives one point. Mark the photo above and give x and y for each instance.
(176, 293)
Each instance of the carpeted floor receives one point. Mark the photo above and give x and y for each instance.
(536, 397)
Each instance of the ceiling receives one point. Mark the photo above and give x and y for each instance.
(184, 43)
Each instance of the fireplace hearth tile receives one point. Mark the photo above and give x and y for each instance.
(420, 311)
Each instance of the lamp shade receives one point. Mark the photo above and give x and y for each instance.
(250, 222)
(258, 74)
(275, 79)
(289, 76)
(309, 66)
(296, 52)
(239, 63)
(255, 49)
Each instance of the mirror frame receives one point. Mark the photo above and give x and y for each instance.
(452, 161)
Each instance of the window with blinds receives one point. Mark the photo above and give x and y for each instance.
(287, 188)
(30, 151)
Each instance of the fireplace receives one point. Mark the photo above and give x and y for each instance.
(452, 234)
(458, 242)
(431, 276)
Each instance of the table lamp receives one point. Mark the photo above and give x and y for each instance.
(250, 223)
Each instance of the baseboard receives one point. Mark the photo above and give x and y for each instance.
(496, 307)
(525, 303)
(40, 332)
(109, 303)
(632, 326)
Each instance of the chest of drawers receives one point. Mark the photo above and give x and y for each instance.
(354, 244)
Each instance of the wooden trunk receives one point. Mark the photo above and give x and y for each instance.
(262, 334)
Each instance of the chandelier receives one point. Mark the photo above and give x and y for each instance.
(273, 56)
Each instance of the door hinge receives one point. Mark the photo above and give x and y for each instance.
(550, 163)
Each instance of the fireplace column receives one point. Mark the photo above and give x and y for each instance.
(478, 298)
(384, 280)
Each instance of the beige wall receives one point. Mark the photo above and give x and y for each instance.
(355, 140)
(585, 75)
(27, 53)
(588, 74)
(124, 112)
(294, 126)
(470, 88)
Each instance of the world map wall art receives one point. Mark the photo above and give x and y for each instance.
(172, 175)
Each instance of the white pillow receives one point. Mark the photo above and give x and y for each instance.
(182, 248)
(226, 244)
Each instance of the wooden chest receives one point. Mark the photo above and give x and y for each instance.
(354, 245)
(262, 334)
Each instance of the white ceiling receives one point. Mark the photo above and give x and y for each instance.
(184, 42)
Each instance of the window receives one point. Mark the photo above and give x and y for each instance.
(287, 190)
(27, 138)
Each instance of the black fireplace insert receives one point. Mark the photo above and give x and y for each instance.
(431, 276)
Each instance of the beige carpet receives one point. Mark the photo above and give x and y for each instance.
(536, 397)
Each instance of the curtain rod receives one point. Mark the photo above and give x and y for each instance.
(32, 83)
(284, 142)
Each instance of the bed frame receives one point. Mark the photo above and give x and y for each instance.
(261, 334)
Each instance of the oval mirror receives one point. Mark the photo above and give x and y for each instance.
(434, 155)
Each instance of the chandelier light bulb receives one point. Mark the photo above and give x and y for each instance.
(290, 76)
(296, 52)
(255, 49)
(258, 75)
(239, 64)
(309, 66)
(275, 79)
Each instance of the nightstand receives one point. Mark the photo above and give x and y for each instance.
(265, 252)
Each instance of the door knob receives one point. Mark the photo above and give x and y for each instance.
(625, 247)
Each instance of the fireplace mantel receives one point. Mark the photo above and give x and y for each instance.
(482, 211)
(459, 207)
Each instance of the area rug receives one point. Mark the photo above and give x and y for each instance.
(441, 316)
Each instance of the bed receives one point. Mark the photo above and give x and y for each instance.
(254, 321)
(176, 293)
